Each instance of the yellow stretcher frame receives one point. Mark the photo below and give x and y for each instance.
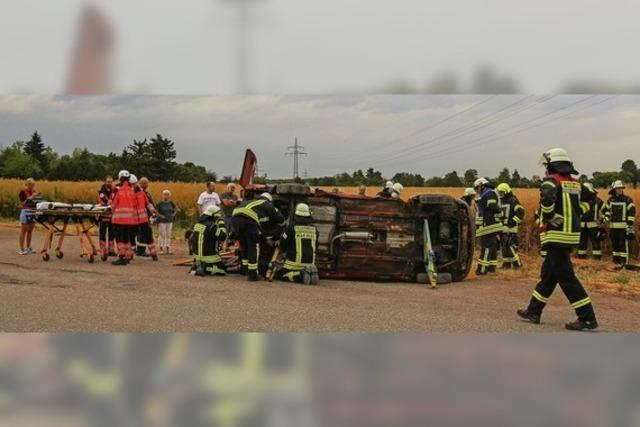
(83, 221)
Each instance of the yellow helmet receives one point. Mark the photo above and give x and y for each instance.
(469, 192)
(589, 186)
(503, 188)
(302, 209)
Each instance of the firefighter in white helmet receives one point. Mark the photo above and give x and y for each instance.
(592, 226)
(386, 191)
(396, 190)
(621, 213)
(488, 225)
(563, 200)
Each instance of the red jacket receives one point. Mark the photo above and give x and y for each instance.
(105, 197)
(124, 205)
(142, 203)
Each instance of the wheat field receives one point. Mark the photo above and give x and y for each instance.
(184, 196)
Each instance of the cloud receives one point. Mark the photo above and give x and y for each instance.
(430, 135)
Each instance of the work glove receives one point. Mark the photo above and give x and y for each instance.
(631, 235)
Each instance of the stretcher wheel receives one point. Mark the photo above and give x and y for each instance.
(91, 258)
(104, 257)
(59, 254)
(46, 257)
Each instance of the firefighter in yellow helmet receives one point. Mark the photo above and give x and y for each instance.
(488, 224)
(592, 226)
(621, 213)
(563, 200)
(299, 243)
(513, 215)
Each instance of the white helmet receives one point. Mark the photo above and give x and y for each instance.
(124, 174)
(211, 210)
(555, 155)
(302, 209)
(133, 179)
(397, 187)
(480, 182)
(618, 184)
(389, 184)
(469, 192)
(267, 196)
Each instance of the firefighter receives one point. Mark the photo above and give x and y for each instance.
(469, 196)
(386, 191)
(512, 217)
(621, 213)
(124, 218)
(208, 236)
(396, 190)
(107, 238)
(563, 200)
(489, 225)
(247, 222)
(591, 227)
(144, 233)
(299, 243)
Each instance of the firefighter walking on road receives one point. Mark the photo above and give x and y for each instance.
(299, 243)
(563, 200)
(208, 236)
(513, 215)
(489, 225)
(592, 227)
(247, 222)
(621, 213)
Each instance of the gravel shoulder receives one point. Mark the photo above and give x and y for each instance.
(71, 295)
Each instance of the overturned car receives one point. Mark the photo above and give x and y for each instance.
(427, 239)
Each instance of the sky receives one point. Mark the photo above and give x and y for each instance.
(323, 47)
(426, 134)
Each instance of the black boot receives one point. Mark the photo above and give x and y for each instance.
(120, 261)
(527, 315)
(580, 325)
(252, 276)
(506, 265)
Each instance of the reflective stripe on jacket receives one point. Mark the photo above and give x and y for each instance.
(124, 206)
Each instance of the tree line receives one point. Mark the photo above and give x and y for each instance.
(154, 158)
(628, 173)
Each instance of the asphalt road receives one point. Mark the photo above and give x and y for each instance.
(71, 295)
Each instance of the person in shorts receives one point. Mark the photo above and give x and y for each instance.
(27, 219)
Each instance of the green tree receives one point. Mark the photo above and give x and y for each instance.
(631, 172)
(36, 149)
(15, 163)
(504, 176)
(470, 175)
(452, 180)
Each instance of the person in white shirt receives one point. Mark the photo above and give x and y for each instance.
(208, 198)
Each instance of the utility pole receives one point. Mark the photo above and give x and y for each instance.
(296, 151)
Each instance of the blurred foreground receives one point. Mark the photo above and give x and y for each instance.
(300, 380)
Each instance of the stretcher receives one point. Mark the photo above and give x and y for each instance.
(56, 217)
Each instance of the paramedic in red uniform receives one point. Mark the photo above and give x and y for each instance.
(144, 232)
(107, 239)
(124, 218)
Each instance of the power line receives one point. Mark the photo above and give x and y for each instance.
(296, 151)
(386, 144)
(500, 134)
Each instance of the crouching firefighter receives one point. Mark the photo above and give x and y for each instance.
(513, 215)
(489, 225)
(563, 200)
(247, 222)
(299, 243)
(208, 236)
(592, 226)
(621, 212)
